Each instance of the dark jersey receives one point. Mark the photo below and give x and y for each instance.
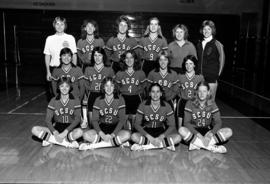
(131, 83)
(197, 116)
(85, 48)
(94, 77)
(151, 48)
(168, 82)
(116, 47)
(76, 76)
(63, 112)
(109, 112)
(188, 85)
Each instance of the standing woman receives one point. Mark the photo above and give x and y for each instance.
(151, 44)
(180, 47)
(94, 75)
(202, 123)
(62, 118)
(89, 40)
(210, 55)
(108, 119)
(68, 69)
(165, 77)
(132, 82)
(120, 43)
(155, 123)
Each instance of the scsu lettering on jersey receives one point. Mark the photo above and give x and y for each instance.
(153, 117)
(62, 111)
(130, 81)
(151, 47)
(164, 83)
(87, 48)
(121, 47)
(106, 111)
(96, 77)
(188, 85)
(201, 114)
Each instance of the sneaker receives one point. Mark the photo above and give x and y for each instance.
(84, 123)
(193, 147)
(172, 148)
(125, 144)
(137, 147)
(73, 144)
(45, 143)
(217, 149)
(85, 146)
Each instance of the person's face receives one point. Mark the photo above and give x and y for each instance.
(154, 26)
(189, 66)
(64, 88)
(207, 31)
(155, 93)
(203, 93)
(179, 34)
(66, 58)
(90, 28)
(59, 26)
(129, 60)
(98, 57)
(109, 88)
(123, 27)
(163, 62)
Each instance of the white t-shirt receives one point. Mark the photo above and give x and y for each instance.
(55, 43)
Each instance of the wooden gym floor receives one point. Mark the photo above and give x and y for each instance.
(23, 160)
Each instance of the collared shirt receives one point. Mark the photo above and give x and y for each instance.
(206, 40)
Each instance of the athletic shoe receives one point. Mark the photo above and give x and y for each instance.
(125, 144)
(172, 148)
(193, 147)
(137, 147)
(84, 123)
(45, 143)
(73, 144)
(217, 149)
(85, 146)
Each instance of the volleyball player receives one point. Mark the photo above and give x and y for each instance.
(120, 43)
(108, 119)
(155, 123)
(202, 123)
(151, 44)
(132, 82)
(62, 118)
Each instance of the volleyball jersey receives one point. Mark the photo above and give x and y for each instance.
(63, 112)
(117, 47)
(168, 82)
(197, 116)
(188, 85)
(109, 112)
(151, 48)
(131, 83)
(76, 76)
(85, 48)
(95, 77)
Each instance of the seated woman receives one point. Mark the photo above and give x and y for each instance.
(62, 118)
(202, 123)
(108, 119)
(155, 123)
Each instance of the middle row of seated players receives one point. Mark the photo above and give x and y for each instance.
(131, 80)
(154, 122)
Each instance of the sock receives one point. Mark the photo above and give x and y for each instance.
(143, 141)
(46, 136)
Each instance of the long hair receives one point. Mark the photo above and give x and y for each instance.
(60, 81)
(84, 32)
(122, 62)
(209, 23)
(60, 19)
(147, 31)
(101, 51)
(102, 87)
(122, 18)
(191, 58)
(196, 97)
(165, 54)
(162, 98)
(63, 51)
(184, 28)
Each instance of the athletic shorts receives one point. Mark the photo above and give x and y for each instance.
(60, 127)
(107, 128)
(155, 132)
(181, 107)
(91, 100)
(204, 130)
(132, 103)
